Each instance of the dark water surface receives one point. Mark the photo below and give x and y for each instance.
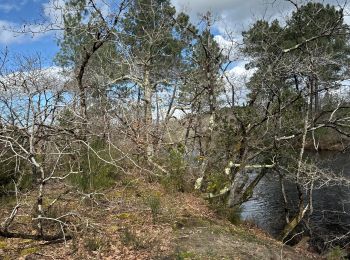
(331, 216)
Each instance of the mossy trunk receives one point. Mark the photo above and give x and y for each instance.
(291, 225)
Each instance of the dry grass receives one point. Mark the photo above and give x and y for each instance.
(120, 225)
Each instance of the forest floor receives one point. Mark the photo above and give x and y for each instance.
(139, 220)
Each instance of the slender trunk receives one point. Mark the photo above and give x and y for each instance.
(317, 97)
(247, 193)
(83, 112)
(40, 193)
(82, 89)
(170, 107)
(158, 134)
(311, 98)
(233, 96)
(206, 163)
(188, 129)
(302, 209)
(237, 171)
(285, 200)
(148, 114)
(82, 95)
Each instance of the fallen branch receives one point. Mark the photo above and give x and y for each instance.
(38, 237)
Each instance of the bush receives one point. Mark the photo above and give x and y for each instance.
(94, 243)
(231, 214)
(94, 173)
(336, 254)
(153, 202)
(176, 180)
(7, 176)
(10, 173)
(129, 238)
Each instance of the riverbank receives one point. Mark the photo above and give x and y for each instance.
(328, 140)
(327, 146)
(140, 220)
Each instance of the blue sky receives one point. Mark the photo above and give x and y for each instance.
(231, 15)
(16, 13)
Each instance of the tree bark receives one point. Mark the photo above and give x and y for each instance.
(302, 209)
(148, 113)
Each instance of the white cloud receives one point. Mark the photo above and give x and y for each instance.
(11, 33)
(229, 46)
(52, 23)
(234, 16)
(7, 36)
(238, 73)
(237, 15)
(53, 11)
(36, 80)
(347, 15)
(237, 77)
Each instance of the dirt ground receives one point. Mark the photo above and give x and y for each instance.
(142, 221)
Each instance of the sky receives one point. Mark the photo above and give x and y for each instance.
(230, 15)
(14, 14)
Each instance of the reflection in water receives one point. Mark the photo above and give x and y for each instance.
(331, 214)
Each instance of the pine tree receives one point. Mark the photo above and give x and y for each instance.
(153, 43)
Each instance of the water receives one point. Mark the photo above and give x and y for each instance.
(331, 216)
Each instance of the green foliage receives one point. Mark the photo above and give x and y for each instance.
(217, 181)
(27, 180)
(154, 203)
(311, 17)
(28, 251)
(13, 168)
(66, 118)
(7, 172)
(13, 171)
(154, 18)
(82, 27)
(94, 243)
(204, 84)
(336, 254)
(185, 255)
(129, 238)
(165, 47)
(307, 55)
(231, 214)
(94, 170)
(226, 136)
(263, 38)
(175, 163)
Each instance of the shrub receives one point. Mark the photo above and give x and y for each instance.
(129, 238)
(176, 180)
(94, 170)
(336, 253)
(153, 202)
(94, 243)
(231, 214)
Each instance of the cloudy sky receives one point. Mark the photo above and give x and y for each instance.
(231, 15)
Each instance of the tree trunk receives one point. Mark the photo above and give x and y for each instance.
(291, 225)
(148, 114)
